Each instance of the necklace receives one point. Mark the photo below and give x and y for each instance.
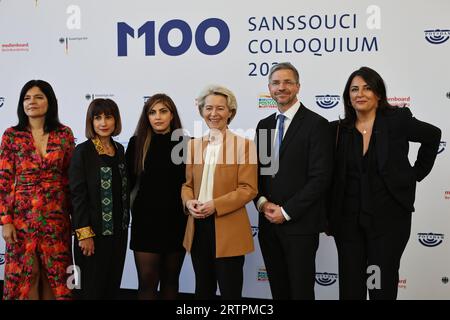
(366, 130)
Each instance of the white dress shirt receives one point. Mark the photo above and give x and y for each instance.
(289, 114)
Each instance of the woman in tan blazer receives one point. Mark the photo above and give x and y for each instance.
(221, 177)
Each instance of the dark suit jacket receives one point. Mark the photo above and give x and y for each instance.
(393, 129)
(304, 171)
(84, 176)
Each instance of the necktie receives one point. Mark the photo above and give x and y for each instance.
(281, 119)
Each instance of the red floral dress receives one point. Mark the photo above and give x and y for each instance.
(34, 197)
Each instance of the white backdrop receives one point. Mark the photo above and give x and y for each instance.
(86, 49)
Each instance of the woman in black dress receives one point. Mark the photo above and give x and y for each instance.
(100, 198)
(157, 172)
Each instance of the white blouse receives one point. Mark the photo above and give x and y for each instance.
(206, 188)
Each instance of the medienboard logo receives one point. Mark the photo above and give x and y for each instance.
(266, 101)
(326, 279)
(447, 195)
(15, 47)
(437, 36)
(442, 146)
(262, 274)
(402, 283)
(92, 96)
(400, 101)
(254, 231)
(2, 101)
(327, 101)
(2, 258)
(431, 239)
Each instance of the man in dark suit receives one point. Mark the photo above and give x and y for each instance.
(295, 160)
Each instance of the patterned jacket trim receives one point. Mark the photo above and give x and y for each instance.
(84, 233)
(107, 200)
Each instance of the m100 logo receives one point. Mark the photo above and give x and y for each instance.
(148, 29)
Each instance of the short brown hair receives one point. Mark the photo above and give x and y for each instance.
(102, 106)
(284, 66)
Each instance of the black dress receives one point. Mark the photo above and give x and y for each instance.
(158, 221)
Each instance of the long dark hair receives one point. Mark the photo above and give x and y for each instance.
(378, 87)
(51, 117)
(144, 131)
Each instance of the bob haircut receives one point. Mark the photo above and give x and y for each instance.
(220, 91)
(98, 107)
(51, 117)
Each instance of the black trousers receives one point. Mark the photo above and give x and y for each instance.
(101, 273)
(358, 250)
(290, 261)
(209, 270)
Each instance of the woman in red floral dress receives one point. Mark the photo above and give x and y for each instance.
(34, 203)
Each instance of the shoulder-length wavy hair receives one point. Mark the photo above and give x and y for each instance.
(144, 131)
(375, 82)
(51, 117)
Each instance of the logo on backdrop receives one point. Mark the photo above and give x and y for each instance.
(325, 278)
(431, 239)
(15, 47)
(146, 98)
(327, 101)
(444, 280)
(448, 94)
(447, 195)
(165, 43)
(400, 101)
(442, 146)
(66, 40)
(437, 36)
(255, 231)
(2, 258)
(402, 283)
(92, 96)
(265, 101)
(262, 274)
(2, 101)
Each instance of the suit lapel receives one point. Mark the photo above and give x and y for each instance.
(271, 124)
(198, 153)
(293, 127)
(356, 149)
(343, 151)
(382, 140)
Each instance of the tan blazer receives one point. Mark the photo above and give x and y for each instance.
(235, 184)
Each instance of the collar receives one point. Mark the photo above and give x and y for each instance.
(99, 146)
(290, 113)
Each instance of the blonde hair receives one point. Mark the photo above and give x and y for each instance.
(221, 91)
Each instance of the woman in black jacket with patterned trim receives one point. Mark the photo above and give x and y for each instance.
(100, 198)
